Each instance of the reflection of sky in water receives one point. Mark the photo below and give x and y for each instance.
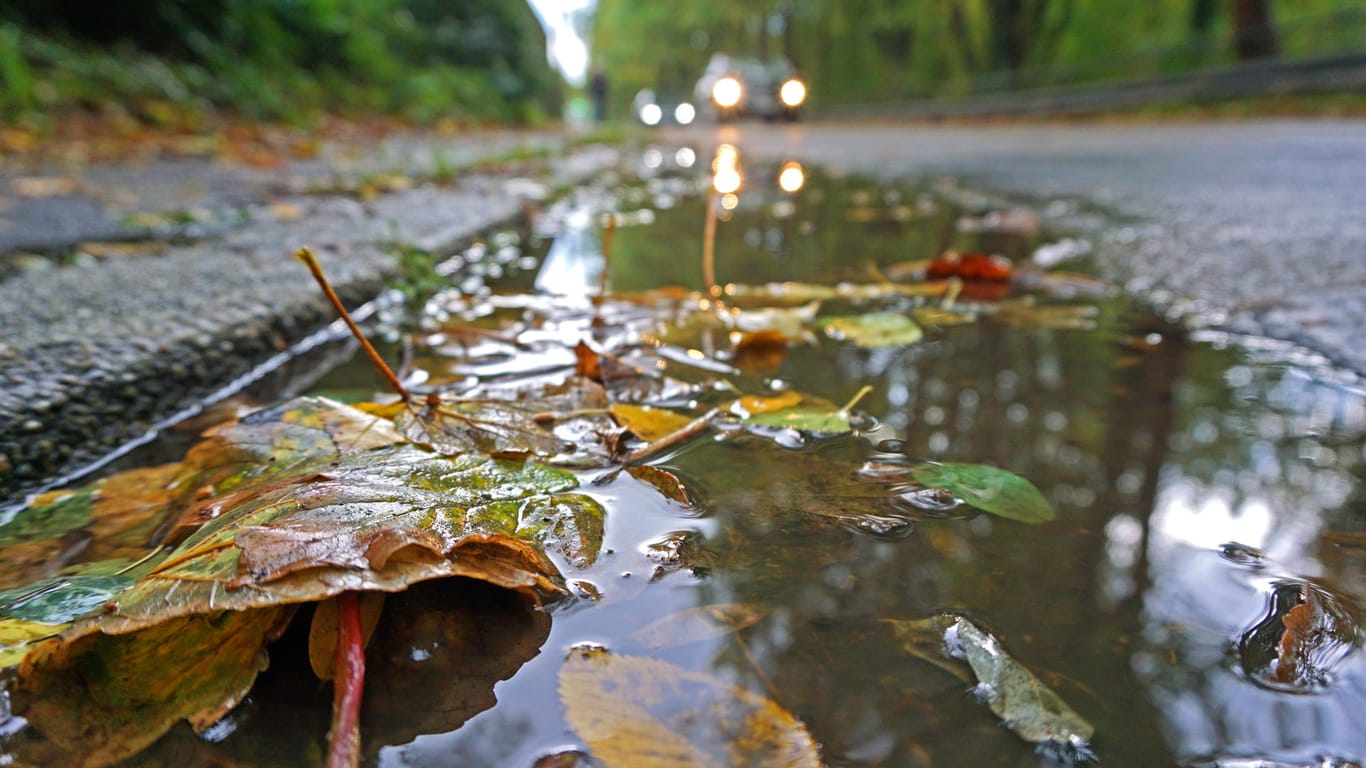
(1273, 475)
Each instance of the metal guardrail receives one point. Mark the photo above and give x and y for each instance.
(1266, 78)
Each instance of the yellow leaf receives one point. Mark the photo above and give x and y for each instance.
(648, 423)
(753, 404)
(643, 713)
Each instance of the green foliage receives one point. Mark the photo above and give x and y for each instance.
(859, 51)
(481, 60)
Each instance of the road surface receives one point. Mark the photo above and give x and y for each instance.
(1258, 228)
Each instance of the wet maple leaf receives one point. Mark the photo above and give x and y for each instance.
(456, 426)
(377, 518)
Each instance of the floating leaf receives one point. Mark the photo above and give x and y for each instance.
(698, 623)
(751, 405)
(664, 481)
(817, 417)
(787, 322)
(94, 699)
(1023, 703)
(998, 491)
(1027, 313)
(643, 713)
(458, 426)
(943, 317)
(760, 351)
(970, 267)
(51, 515)
(648, 422)
(381, 518)
(568, 523)
(62, 599)
(814, 419)
(877, 329)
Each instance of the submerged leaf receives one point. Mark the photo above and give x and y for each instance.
(998, 491)
(642, 713)
(877, 329)
(699, 623)
(1026, 706)
(1023, 703)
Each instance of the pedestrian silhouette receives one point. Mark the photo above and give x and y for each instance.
(597, 88)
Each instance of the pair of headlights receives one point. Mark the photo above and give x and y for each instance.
(652, 114)
(727, 92)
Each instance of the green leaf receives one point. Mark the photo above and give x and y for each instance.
(877, 329)
(67, 512)
(60, 600)
(568, 523)
(1023, 703)
(819, 420)
(1002, 493)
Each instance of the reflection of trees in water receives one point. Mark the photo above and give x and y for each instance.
(1040, 404)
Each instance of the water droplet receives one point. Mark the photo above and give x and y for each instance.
(1241, 554)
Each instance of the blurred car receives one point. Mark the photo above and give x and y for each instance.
(650, 109)
(731, 88)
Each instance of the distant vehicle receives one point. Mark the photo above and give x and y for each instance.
(650, 109)
(731, 88)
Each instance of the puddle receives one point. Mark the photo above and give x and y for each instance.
(1197, 600)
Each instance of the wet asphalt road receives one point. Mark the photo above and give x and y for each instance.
(1257, 228)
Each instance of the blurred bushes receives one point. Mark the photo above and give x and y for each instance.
(160, 60)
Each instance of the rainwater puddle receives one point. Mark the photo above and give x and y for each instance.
(1197, 600)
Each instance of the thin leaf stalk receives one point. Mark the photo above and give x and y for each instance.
(343, 743)
(311, 261)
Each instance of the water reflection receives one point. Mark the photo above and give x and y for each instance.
(1156, 450)
(1203, 498)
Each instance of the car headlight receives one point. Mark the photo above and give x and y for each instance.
(650, 114)
(793, 93)
(684, 113)
(727, 92)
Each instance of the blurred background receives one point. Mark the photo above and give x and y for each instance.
(170, 62)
